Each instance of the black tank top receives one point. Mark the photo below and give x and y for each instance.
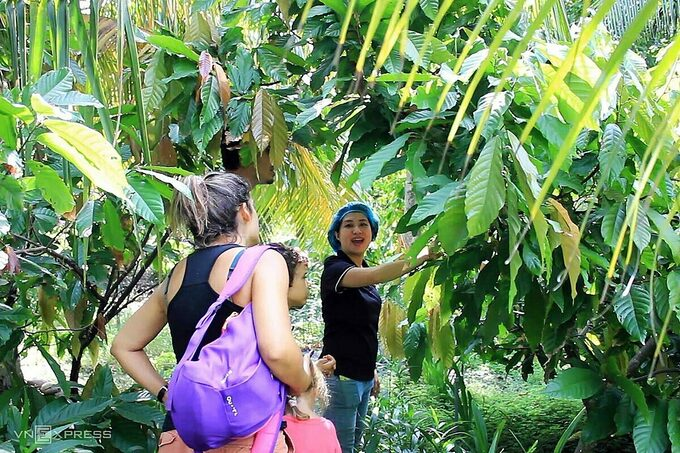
(192, 301)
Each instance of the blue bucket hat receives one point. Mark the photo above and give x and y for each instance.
(353, 206)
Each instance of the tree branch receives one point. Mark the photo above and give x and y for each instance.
(115, 307)
(111, 289)
(643, 354)
(65, 260)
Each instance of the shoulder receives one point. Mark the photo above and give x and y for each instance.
(271, 261)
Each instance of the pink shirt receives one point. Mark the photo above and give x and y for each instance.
(316, 435)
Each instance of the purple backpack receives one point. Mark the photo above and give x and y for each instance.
(228, 392)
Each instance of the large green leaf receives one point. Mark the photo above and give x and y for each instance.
(433, 203)
(452, 225)
(674, 425)
(497, 104)
(525, 164)
(140, 413)
(640, 229)
(59, 412)
(145, 199)
(172, 45)
(485, 189)
(673, 284)
(59, 446)
(89, 151)
(612, 155)
(415, 348)
(650, 434)
(16, 110)
(112, 229)
(210, 97)
(154, 85)
(52, 187)
(8, 131)
(75, 98)
(632, 310)
(576, 383)
(666, 232)
(429, 7)
(54, 84)
(85, 220)
(375, 163)
(64, 384)
(239, 117)
(612, 223)
(100, 383)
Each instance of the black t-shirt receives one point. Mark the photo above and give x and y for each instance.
(351, 320)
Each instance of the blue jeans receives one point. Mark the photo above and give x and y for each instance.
(347, 409)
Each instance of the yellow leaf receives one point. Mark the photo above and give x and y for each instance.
(569, 238)
(390, 327)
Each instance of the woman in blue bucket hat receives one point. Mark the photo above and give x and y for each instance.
(351, 308)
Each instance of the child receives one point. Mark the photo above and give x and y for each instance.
(298, 265)
(309, 432)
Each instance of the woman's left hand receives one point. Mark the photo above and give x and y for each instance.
(326, 364)
(375, 391)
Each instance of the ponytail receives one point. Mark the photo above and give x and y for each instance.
(212, 213)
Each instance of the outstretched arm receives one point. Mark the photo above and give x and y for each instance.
(128, 346)
(358, 277)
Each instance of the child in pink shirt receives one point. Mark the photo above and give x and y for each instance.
(308, 431)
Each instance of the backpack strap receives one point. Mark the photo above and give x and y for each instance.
(238, 278)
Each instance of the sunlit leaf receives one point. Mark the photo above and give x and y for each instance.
(485, 189)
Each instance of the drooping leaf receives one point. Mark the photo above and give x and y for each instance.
(452, 226)
(569, 239)
(85, 220)
(525, 163)
(485, 189)
(375, 163)
(390, 328)
(154, 86)
(612, 223)
(612, 155)
(52, 187)
(415, 348)
(639, 226)
(239, 117)
(666, 232)
(514, 228)
(650, 434)
(673, 284)
(112, 229)
(210, 98)
(223, 83)
(497, 105)
(576, 383)
(145, 199)
(632, 310)
(674, 424)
